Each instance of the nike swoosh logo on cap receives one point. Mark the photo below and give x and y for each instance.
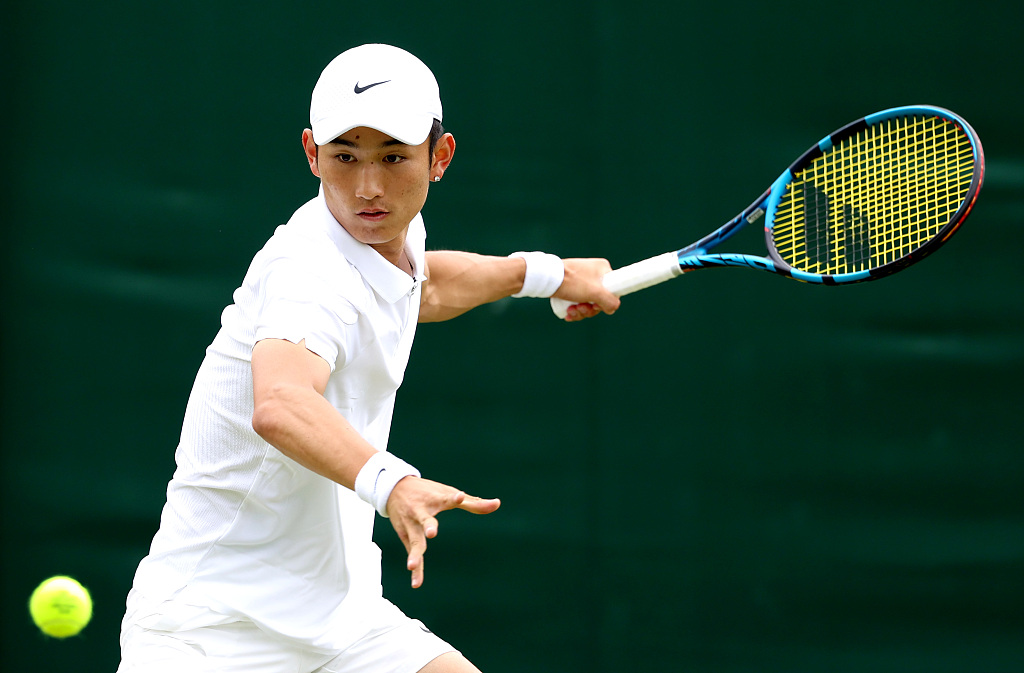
(361, 89)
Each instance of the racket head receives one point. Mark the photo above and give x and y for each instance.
(874, 197)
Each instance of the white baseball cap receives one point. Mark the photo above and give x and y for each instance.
(379, 86)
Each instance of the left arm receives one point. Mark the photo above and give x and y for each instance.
(460, 281)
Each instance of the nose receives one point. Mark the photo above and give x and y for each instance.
(370, 181)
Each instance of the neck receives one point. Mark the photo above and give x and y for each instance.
(398, 257)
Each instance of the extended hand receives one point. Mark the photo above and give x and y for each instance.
(584, 287)
(413, 507)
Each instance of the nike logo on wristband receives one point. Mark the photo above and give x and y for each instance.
(377, 480)
(361, 89)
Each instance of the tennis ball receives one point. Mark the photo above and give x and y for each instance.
(60, 607)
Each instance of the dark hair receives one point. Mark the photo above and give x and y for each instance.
(436, 131)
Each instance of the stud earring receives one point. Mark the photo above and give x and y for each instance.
(437, 178)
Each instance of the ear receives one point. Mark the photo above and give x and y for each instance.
(309, 147)
(444, 150)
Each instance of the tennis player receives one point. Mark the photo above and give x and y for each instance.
(264, 560)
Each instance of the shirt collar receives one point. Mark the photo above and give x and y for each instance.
(386, 279)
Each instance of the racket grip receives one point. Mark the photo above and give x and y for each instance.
(636, 276)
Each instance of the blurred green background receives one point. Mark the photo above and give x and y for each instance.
(734, 473)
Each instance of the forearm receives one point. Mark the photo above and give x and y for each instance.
(303, 425)
(460, 281)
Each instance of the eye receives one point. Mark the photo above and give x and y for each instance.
(346, 158)
(393, 159)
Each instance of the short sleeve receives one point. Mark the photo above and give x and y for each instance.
(298, 303)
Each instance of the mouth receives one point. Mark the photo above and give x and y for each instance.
(372, 214)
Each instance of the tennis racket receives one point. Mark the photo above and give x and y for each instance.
(869, 200)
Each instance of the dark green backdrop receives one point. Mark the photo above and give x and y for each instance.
(734, 473)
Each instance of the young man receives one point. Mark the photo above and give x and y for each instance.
(264, 560)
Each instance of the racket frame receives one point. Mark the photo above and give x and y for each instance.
(697, 255)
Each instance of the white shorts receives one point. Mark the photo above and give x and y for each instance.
(402, 646)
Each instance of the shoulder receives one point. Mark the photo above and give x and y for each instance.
(300, 265)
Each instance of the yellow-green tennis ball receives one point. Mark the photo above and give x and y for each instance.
(60, 607)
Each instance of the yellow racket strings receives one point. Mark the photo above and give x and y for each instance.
(875, 197)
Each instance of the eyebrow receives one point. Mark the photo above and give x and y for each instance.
(349, 143)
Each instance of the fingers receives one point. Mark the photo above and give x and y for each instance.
(611, 304)
(413, 507)
(480, 505)
(417, 547)
(414, 534)
(605, 300)
(578, 312)
(415, 566)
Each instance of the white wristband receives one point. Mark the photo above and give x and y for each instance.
(544, 274)
(378, 477)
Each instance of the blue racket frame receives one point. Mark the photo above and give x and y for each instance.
(696, 255)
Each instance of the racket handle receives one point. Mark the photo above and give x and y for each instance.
(636, 276)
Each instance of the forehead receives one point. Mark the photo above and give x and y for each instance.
(366, 137)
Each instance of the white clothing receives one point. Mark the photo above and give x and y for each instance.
(246, 531)
(396, 645)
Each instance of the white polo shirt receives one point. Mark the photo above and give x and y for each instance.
(247, 531)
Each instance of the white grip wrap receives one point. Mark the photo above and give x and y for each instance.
(378, 477)
(637, 276)
(544, 274)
